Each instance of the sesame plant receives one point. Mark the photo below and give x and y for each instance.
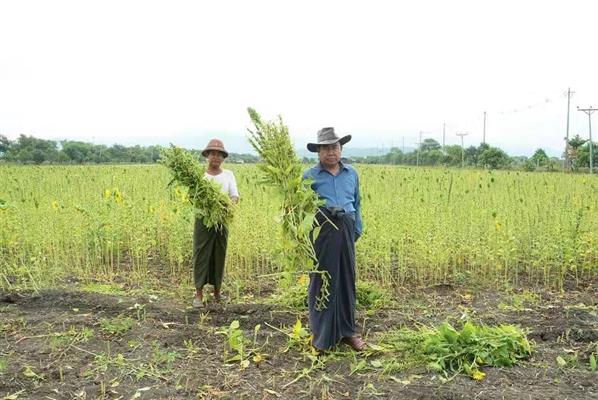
(211, 205)
(281, 168)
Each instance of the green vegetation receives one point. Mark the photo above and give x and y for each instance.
(282, 169)
(451, 351)
(211, 205)
(31, 150)
(117, 325)
(421, 227)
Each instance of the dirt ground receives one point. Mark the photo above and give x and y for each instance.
(67, 344)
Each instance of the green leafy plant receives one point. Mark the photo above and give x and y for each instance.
(240, 347)
(118, 325)
(161, 357)
(520, 302)
(293, 295)
(370, 295)
(451, 351)
(211, 205)
(299, 338)
(281, 168)
(61, 340)
(567, 361)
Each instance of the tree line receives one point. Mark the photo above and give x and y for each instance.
(431, 153)
(31, 150)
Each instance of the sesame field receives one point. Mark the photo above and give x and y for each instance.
(471, 284)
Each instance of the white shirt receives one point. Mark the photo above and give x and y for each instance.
(226, 179)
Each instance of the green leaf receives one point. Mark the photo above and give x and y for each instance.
(316, 232)
(561, 362)
(29, 373)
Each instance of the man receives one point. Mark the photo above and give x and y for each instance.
(338, 185)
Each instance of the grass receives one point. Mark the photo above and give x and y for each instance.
(117, 325)
(104, 288)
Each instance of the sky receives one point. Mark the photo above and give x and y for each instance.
(159, 72)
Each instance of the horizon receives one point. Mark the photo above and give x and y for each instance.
(301, 151)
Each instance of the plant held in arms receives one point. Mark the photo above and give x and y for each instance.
(211, 205)
(281, 168)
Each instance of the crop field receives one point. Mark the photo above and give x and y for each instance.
(96, 285)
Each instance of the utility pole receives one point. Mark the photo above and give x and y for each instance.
(566, 161)
(462, 134)
(419, 147)
(403, 144)
(589, 111)
(484, 136)
(444, 137)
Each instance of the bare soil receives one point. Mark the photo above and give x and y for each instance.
(53, 345)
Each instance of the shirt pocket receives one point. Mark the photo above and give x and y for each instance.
(348, 190)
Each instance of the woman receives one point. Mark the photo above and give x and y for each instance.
(209, 244)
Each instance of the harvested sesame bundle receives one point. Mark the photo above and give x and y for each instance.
(282, 169)
(211, 205)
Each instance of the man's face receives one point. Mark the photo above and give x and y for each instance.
(215, 158)
(330, 154)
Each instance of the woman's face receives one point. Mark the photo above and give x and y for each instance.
(215, 159)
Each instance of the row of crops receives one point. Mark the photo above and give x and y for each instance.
(421, 226)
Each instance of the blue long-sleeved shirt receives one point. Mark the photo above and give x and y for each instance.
(341, 190)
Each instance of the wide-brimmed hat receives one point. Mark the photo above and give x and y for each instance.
(327, 136)
(214, 144)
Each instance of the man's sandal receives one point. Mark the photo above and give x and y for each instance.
(356, 343)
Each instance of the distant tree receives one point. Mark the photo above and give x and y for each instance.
(482, 147)
(429, 145)
(395, 156)
(28, 149)
(117, 154)
(4, 145)
(540, 157)
(529, 165)
(453, 155)
(471, 155)
(494, 158)
(77, 152)
(432, 157)
(583, 155)
(574, 144)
